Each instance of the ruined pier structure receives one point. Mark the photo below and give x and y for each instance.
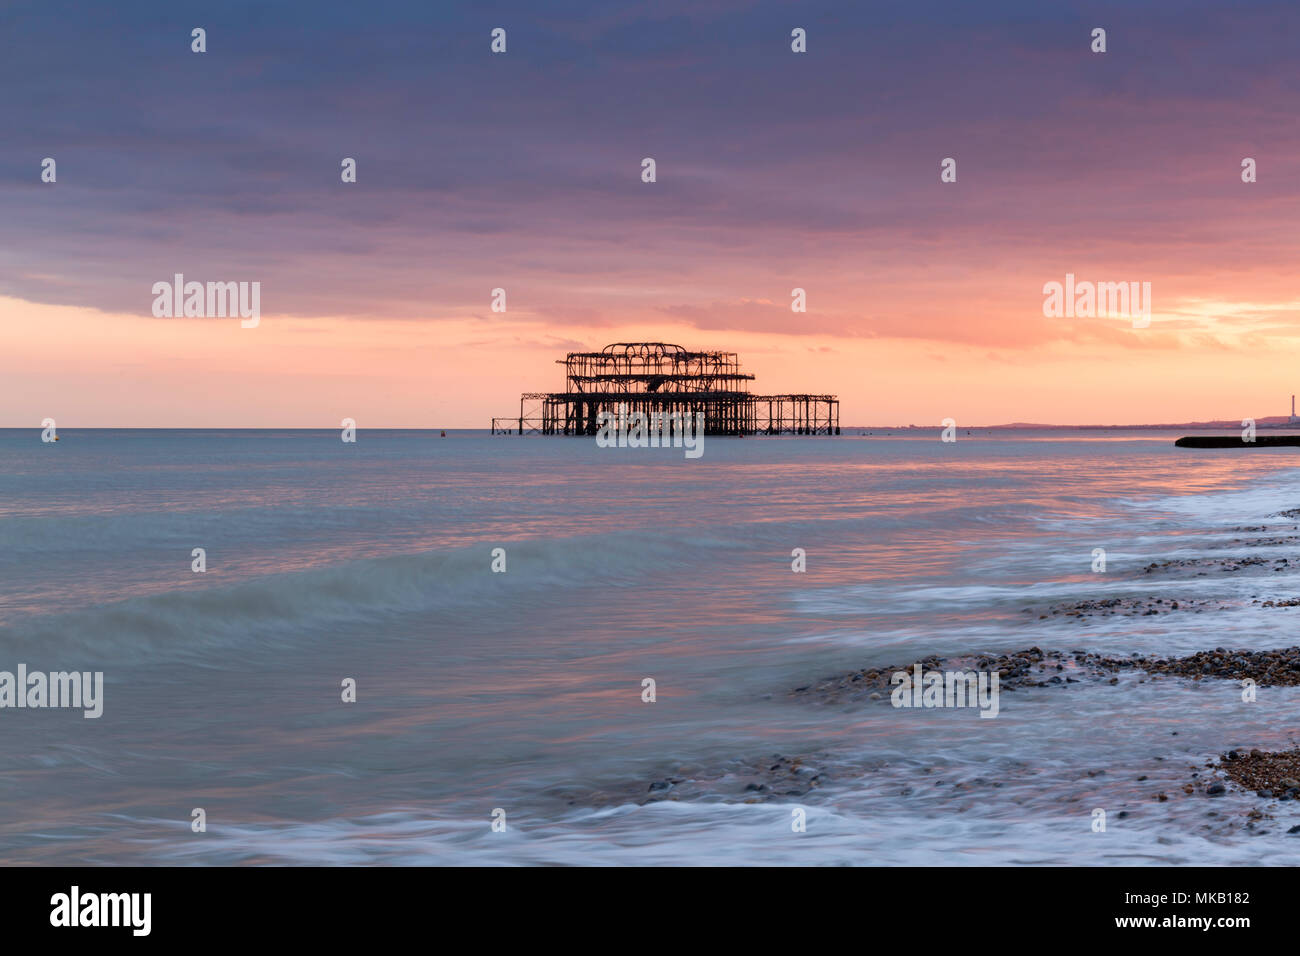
(661, 379)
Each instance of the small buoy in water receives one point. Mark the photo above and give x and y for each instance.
(444, 434)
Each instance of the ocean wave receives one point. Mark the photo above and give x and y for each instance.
(288, 608)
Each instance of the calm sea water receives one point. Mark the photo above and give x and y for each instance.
(479, 690)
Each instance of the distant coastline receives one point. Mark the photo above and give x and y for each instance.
(1277, 421)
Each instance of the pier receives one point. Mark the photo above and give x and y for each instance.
(660, 378)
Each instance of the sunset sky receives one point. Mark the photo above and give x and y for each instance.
(523, 171)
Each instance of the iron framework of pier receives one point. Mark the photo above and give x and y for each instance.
(662, 379)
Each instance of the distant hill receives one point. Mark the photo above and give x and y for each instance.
(1272, 421)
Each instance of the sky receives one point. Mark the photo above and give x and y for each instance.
(775, 170)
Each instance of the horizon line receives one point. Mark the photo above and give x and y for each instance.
(1010, 426)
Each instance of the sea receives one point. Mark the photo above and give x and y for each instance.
(468, 649)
